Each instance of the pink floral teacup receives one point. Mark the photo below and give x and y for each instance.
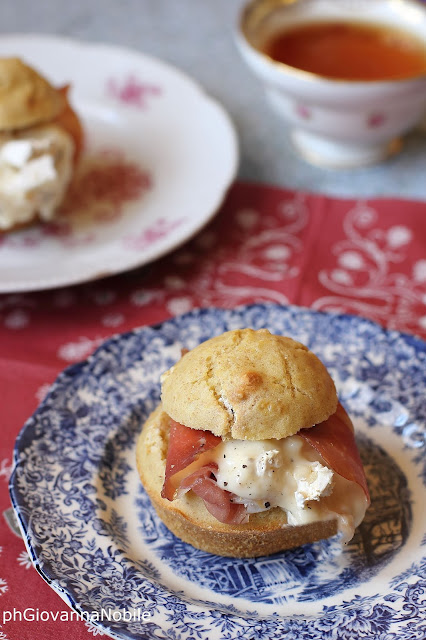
(336, 123)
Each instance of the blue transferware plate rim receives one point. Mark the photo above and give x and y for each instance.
(234, 621)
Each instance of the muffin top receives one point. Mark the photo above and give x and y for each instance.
(249, 385)
(26, 98)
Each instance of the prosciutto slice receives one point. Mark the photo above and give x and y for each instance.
(218, 501)
(185, 446)
(334, 440)
(189, 466)
(69, 121)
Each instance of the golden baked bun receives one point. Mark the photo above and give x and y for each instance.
(187, 517)
(26, 97)
(249, 385)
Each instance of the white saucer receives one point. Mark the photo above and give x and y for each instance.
(159, 150)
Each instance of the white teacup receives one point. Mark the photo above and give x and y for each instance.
(336, 123)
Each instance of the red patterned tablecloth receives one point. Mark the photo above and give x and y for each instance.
(266, 244)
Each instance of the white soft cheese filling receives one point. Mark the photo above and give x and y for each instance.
(36, 167)
(289, 474)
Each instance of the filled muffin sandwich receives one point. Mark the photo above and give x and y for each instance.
(250, 451)
(40, 140)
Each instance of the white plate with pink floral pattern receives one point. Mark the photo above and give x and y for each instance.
(159, 156)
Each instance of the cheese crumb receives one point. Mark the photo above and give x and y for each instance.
(36, 167)
(315, 483)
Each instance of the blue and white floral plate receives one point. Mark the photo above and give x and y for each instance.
(95, 538)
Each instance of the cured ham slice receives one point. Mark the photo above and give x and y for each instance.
(69, 121)
(334, 440)
(218, 501)
(185, 447)
(189, 466)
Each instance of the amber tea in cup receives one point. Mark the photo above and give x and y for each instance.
(348, 77)
(349, 50)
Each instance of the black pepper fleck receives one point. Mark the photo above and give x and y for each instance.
(225, 484)
(267, 505)
(244, 466)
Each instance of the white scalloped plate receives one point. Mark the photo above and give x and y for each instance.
(159, 158)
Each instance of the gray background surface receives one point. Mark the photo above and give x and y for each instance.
(198, 37)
